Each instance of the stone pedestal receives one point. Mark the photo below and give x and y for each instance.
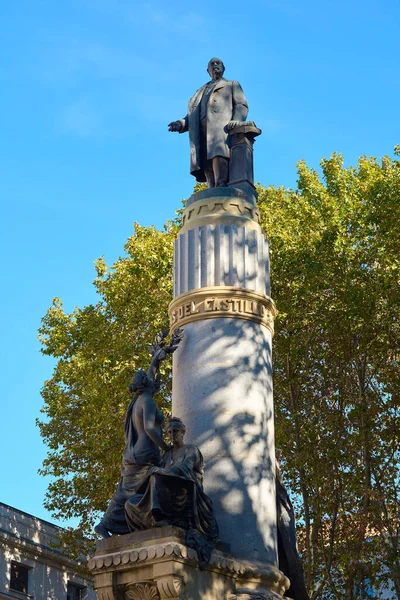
(157, 565)
(241, 170)
(222, 379)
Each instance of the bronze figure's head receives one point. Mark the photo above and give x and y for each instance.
(176, 430)
(216, 68)
(140, 382)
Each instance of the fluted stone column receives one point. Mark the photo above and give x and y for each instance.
(222, 379)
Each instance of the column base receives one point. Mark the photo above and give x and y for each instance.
(156, 564)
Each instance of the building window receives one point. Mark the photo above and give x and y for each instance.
(19, 578)
(74, 592)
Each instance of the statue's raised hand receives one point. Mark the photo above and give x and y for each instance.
(175, 126)
(160, 354)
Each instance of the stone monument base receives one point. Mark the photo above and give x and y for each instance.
(156, 564)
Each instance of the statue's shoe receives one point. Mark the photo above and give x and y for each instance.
(101, 530)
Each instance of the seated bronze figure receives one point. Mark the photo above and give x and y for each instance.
(172, 494)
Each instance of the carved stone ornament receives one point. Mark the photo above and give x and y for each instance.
(104, 566)
(105, 587)
(142, 555)
(105, 593)
(222, 301)
(220, 210)
(142, 591)
(171, 586)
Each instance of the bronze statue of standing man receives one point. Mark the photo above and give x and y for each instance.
(213, 111)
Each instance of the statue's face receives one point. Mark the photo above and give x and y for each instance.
(216, 68)
(175, 434)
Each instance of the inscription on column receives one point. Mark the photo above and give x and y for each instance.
(213, 302)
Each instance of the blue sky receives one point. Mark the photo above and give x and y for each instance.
(87, 90)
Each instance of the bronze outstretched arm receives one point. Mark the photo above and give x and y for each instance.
(159, 351)
(181, 125)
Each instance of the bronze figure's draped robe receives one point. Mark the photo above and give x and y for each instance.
(143, 435)
(140, 454)
(174, 493)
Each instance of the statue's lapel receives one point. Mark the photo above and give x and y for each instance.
(221, 83)
(196, 98)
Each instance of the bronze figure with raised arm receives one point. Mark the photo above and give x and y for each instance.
(143, 436)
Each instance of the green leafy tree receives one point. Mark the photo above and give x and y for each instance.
(335, 274)
(98, 348)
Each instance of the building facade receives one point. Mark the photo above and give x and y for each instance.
(30, 566)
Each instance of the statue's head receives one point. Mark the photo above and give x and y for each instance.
(175, 429)
(215, 68)
(140, 382)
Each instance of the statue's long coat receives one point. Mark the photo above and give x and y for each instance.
(226, 103)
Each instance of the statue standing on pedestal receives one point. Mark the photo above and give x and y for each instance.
(214, 110)
(143, 436)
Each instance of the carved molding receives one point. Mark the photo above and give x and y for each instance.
(210, 211)
(143, 554)
(222, 301)
(104, 565)
(219, 254)
(105, 587)
(105, 594)
(146, 590)
(171, 586)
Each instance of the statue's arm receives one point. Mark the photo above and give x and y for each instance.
(153, 372)
(187, 466)
(185, 124)
(159, 351)
(240, 107)
(149, 423)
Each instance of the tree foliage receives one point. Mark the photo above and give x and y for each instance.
(98, 348)
(335, 272)
(335, 275)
